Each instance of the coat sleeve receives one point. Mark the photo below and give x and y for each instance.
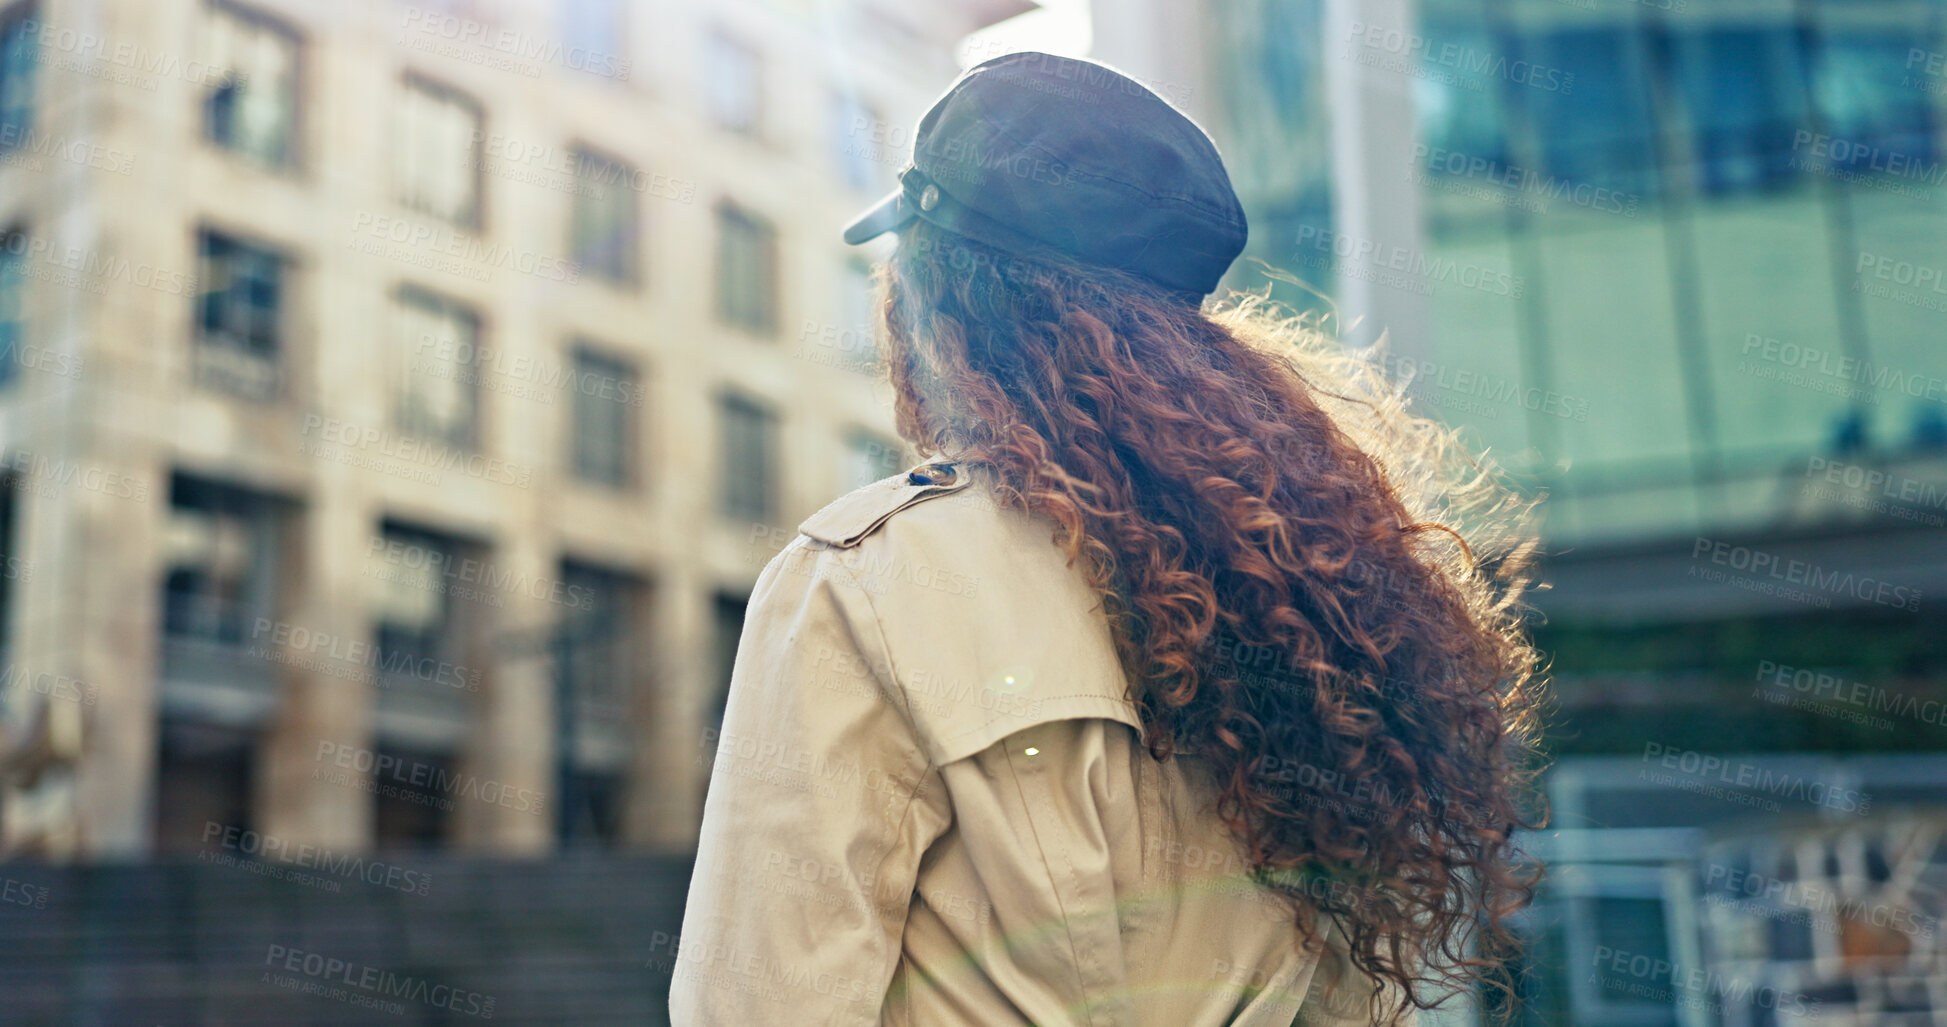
(820, 804)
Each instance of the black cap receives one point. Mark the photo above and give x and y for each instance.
(1030, 152)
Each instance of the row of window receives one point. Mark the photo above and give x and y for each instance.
(1643, 107)
(434, 607)
(250, 108)
(255, 63)
(442, 364)
(434, 625)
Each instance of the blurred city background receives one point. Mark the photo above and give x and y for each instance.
(398, 401)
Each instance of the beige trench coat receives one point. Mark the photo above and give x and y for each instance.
(930, 803)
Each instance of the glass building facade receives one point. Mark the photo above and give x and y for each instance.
(1669, 247)
(1682, 264)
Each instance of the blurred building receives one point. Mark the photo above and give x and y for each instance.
(378, 379)
(1680, 265)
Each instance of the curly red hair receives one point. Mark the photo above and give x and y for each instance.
(1311, 590)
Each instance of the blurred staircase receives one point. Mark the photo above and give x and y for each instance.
(578, 940)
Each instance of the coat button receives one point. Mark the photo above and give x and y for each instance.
(933, 474)
(929, 197)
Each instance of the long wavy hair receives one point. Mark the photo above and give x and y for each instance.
(1312, 590)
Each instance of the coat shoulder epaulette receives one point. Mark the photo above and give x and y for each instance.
(847, 520)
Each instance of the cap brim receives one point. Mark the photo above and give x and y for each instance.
(880, 218)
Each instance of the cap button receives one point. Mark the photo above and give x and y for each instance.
(929, 197)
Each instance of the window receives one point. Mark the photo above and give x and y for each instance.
(251, 104)
(9, 561)
(1601, 131)
(220, 555)
(415, 808)
(437, 152)
(204, 775)
(871, 457)
(599, 660)
(439, 342)
(13, 296)
(595, 34)
(429, 586)
(599, 615)
(859, 141)
(239, 315)
(603, 226)
(746, 269)
(17, 60)
(727, 628)
(1744, 101)
(856, 335)
(749, 463)
(733, 85)
(605, 393)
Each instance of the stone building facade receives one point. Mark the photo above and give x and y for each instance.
(380, 377)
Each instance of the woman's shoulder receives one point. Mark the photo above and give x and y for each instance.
(846, 522)
(986, 626)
